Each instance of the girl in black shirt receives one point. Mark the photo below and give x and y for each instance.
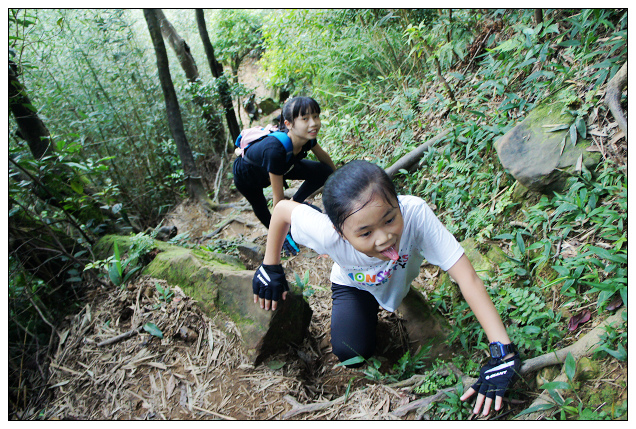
(265, 163)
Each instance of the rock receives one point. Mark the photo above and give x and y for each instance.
(533, 155)
(251, 254)
(546, 375)
(220, 283)
(267, 106)
(484, 265)
(586, 369)
(423, 324)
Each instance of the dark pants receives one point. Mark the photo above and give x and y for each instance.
(354, 317)
(250, 182)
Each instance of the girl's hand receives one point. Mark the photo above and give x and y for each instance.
(269, 286)
(494, 380)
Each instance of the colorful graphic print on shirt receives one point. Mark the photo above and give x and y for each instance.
(380, 277)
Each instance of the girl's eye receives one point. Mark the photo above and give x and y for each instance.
(366, 234)
(390, 220)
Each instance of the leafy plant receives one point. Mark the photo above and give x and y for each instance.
(406, 366)
(453, 408)
(165, 293)
(117, 268)
(614, 341)
(307, 289)
(433, 380)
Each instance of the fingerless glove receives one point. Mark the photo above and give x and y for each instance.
(497, 376)
(269, 282)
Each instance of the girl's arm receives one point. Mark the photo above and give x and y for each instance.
(479, 301)
(278, 190)
(278, 229)
(323, 156)
(477, 297)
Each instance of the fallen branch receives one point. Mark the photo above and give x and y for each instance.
(415, 155)
(298, 408)
(583, 347)
(223, 224)
(119, 337)
(422, 402)
(613, 97)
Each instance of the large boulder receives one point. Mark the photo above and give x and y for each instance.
(220, 283)
(537, 157)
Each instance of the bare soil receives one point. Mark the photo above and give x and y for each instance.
(198, 369)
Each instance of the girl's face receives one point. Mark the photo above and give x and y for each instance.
(375, 229)
(305, 126)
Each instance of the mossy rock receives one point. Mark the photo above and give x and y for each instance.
(537, 157)
(220, 282)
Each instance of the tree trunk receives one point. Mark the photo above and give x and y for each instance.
(215, 128)
(194, 184)
(31, 127)
(438, 71)
(52, 185)
(613, 97)
(217, 71)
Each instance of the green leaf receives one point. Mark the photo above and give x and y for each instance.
(275, 364)
(567, 43)
(77, 187)
(114, 274)
(520, 243)
(348, 390)
(152, 329)
(558, 128)
(352, 361)
(570, 366)
(540, 407)
(573, 134)
(130, 273)
(560, 385)
(117, 258)
(31, 107)
(581, 126)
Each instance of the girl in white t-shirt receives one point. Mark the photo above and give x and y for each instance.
(378, 240)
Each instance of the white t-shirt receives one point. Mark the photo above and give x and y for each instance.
(423, 236)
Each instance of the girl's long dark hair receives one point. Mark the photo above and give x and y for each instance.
(296, 107)
(344, 188)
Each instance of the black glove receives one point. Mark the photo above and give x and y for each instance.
(497, 375)
(269, 282)
(289, 246)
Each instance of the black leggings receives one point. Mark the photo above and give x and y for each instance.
(354, 317)
(313, 173)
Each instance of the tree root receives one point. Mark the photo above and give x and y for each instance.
(298, 408)
(613, 97)
(414, 156)
(583, 347)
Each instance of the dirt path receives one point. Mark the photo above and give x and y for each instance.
(198, 369)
